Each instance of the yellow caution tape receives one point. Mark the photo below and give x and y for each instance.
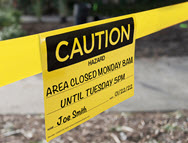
(20, 58)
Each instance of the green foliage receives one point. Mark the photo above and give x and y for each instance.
(9, 23)
(12, 31)
(171, 127)
(183, 25)
(9, 16)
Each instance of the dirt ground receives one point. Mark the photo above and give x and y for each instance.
(156, 127)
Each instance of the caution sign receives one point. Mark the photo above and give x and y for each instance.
(86, 70)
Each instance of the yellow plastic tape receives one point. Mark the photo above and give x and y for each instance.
(20, 58)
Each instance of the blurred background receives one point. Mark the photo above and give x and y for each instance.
(158, 113)
(25, 17)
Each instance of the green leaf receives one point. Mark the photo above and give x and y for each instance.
(183, 25)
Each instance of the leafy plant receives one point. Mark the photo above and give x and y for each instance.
(9, 16)
(10, 23)
(12, 31)
(183, 25)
